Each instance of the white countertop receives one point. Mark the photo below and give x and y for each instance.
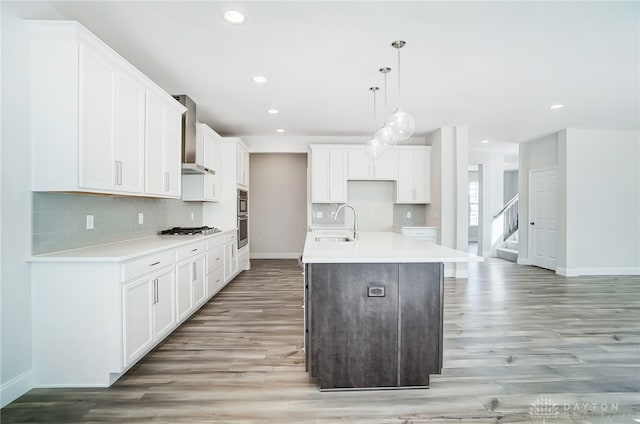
(123, 250)
(380, 247)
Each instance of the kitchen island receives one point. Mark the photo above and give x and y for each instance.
(373, 309)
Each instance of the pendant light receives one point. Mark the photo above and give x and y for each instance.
(374, 147)
(401, 122)
(386, 134)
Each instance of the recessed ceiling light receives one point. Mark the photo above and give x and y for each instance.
(233, 17)
(484, 141)
(259, 79)
(556, 106)
(273, 111)
(280, 130)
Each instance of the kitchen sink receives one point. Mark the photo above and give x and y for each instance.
(334, 239)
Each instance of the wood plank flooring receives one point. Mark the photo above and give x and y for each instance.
(514, 335)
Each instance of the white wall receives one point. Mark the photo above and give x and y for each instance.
(15, 195)
(599, 199)
(449, 209)
(491, 167)
(510, 185)
(277, 205)
(541, 153)
(602, 178)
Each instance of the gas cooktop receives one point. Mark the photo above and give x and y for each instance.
(189, 231)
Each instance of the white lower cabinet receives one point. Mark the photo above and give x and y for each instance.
(190, 279)
(419, 233)
(215, 266)
(230, 260)
(148, 308)
(92, 320)
(243, 258)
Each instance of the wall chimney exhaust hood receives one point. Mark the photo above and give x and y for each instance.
(190, 161)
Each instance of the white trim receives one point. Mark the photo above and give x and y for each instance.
(523, 261)
(275, 255)
(575, 272)
(16, 387)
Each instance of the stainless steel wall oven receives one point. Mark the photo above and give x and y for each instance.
(243, 218)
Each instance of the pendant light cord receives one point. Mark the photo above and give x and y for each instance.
(399, 103)
(385, 98)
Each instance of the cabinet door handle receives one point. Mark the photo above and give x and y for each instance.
(194, 250)
(166, 181)
(155, 291)
(195, 271)
(155, 263)
(119, 172)
(115, 171)
(414, 194)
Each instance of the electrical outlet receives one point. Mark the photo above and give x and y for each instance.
(408, 214)
(140, 218)
(89, 222)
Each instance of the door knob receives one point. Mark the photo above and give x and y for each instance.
(532, 223)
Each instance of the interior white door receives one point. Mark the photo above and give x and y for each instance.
(543, 217)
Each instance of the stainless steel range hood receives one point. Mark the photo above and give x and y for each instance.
(190, 163)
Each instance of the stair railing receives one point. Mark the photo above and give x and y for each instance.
(510, 217)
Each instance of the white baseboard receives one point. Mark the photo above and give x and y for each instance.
(276, 255)
(575, 272)
(523, 261)
(16, 387)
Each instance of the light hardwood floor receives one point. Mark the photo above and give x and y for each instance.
(514, 335)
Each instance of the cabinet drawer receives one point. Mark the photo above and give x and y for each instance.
(215, 281)
(212, 242)
(150, 263)
(229, 237)
(190, 249)
(421, 233)
(215, 258)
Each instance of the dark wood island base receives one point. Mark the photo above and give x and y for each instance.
(373, 325)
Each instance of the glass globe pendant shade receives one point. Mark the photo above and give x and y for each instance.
(402, 124)
(387, 136)
(374, 148)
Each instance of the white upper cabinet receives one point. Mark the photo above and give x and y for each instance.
(204, 187)
(163, 167)
(130, 129)
(362, 167)
(97, 118)
(242, 166)
(92, 121)
(328, 174)
(414, 175)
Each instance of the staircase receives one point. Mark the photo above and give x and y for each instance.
(509, 249)
(509, 216)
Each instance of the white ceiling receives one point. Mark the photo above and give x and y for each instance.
(495, 67)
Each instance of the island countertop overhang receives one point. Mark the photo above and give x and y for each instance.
(381, 247)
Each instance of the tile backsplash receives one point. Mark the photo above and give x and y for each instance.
(409, 215)
(59, 220)
(321, 214)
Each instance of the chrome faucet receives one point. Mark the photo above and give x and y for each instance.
(334, 215)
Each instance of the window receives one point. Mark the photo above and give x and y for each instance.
(473, 200)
